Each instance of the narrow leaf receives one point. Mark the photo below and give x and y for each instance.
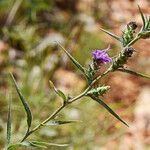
(58, 92)
(61, 94)
(134, 73)
(27, 144)
(59, 122)
(108, 109)
(76, 63)
(111, 34)
(9, 123)
(26, 107)
(40, 144)
(142, 16)
(48, 144)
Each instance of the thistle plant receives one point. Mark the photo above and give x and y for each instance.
(94, 90)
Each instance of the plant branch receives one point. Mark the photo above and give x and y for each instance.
(52, 116)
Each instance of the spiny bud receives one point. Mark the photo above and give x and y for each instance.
(128, 51)
(98, 91)
(132, 25)
(122, 58)
(128, 33)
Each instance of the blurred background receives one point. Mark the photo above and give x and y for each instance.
(28, 31)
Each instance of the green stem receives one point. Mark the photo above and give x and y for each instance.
(100, 76)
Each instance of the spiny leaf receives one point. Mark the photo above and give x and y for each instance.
(108, 109)
(58, 92)
(60, 122)
(80, 67)
(134, 73)
(25, 105)
(142, 16)
(147, 23)
(9, 123)
(111, 34)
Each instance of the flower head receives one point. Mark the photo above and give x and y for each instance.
(100, 56)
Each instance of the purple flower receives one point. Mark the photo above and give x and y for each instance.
(100, 56)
